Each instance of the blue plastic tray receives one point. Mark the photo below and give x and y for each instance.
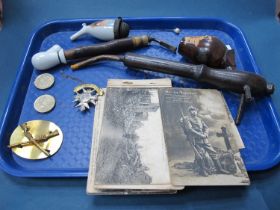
(259, 128)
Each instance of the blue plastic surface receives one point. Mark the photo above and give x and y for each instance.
(259, 128)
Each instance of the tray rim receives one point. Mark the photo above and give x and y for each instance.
(71, 172)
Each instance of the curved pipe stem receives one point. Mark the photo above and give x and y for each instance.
(95, 59)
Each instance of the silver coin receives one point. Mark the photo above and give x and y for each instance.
(44, 103)
(44, 81)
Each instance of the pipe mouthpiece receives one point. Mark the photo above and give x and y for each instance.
(79, 33)
(164, 44)
(74, 67)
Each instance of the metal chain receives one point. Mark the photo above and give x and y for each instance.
(66, 76)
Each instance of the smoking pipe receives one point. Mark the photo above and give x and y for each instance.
(108, 29)
(208, 50)
(247, 84)
(56, 55)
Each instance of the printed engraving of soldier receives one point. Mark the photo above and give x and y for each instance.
(206, 160)
(201, 138)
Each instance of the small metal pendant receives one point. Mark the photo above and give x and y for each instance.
(86, 95)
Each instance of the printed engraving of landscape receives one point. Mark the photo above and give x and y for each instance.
(200, 138)
(131, 148)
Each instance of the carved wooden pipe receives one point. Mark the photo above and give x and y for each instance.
(247, 84)
(208, 50)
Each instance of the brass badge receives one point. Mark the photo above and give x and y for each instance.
(36, 139)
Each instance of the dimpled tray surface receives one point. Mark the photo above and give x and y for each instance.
(259, 128)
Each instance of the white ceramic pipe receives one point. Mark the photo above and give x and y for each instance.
(103, 30)
(48, 59)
